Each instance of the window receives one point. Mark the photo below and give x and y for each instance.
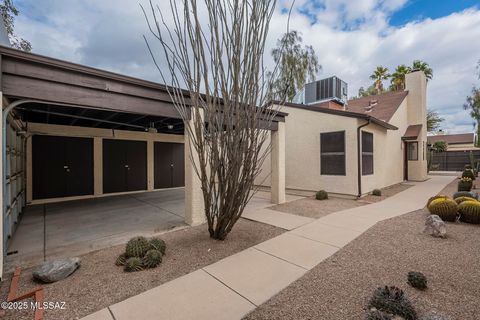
(367, 153)
(412, 150)
(332, 153)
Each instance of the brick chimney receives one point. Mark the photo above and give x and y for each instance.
(331, 104)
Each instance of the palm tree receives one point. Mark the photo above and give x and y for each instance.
(380, 74)
(398, 77)
(423, 66)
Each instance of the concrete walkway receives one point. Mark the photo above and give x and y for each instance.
(234, 286)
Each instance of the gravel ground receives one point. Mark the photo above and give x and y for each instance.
(340, 287)
(99, 283)
(312, 208)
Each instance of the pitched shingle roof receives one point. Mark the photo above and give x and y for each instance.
(452, 138)
(385, 107)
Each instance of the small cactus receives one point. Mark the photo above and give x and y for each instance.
(375, 314)
(133, 264)
(445, 208)
(321, 195)
(152, 258)
(393, 300)
(121, 260)
(377, 192)
(465, 184)
(137, 247)
(470, 211)
(468, 173)
(158, 244)
(417, 280)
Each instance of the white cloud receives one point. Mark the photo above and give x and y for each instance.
(350, 38)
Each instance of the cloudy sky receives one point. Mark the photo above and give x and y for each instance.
(350, 38)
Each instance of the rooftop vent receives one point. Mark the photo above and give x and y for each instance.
(371, 105)
(327, 89)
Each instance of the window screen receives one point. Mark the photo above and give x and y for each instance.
(413, 151)
(332, 153)
(367, 153)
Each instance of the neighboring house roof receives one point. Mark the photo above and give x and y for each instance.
(461, 138)
(412, 132)
(382, 106)
(341, 113)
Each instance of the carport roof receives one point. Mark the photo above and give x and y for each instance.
(31, 76)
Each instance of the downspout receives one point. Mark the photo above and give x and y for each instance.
(359, 157)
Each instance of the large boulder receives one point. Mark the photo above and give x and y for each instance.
(52, 271)
(435, 226)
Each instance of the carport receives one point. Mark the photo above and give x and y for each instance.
(75, 133)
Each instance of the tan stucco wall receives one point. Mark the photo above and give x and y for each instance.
(98, 135)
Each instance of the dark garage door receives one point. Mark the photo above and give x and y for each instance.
(124, 165)
(169, 165)
(62, 166)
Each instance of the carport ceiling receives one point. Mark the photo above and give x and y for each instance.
(96, 118)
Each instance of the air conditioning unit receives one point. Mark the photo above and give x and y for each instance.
(327, 89)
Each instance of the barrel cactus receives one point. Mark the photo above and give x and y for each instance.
(461, 199)
(434, 198)
(445, 208)
(470, 211)
(417, 280)
(158, 244)
(393, 300)
(137, 247)
(465, 194)
(468, 173)
(321, 195)
(121, 260)
(152, 258)
(133, 264)
(377, 192)
(465, 184)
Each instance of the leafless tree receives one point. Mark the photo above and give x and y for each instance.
(214, 56)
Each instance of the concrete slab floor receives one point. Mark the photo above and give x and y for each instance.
(78, 227)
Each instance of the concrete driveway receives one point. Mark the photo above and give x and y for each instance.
(77, 227)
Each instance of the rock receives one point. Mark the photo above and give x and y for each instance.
(52, 271)
(435, 316)
(435, 226)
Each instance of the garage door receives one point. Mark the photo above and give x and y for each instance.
(62, 166)
(124, 165)
(169, 165)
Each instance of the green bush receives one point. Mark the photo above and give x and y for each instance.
(377, 192)
(417, 280)
(470, 211)
(393, 300)
(465, 194)
(465, 184)
(321, 195)
(445, 208)
(468, 173)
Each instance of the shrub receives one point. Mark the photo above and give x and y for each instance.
(321, 195)
(152, 258)
(377, 192)
(417, 280)
(445, 208)
(468, 173)
(434, 198)
(465, 194)
(465, 184)
(158, 244)
(393, 300)
(470, 211)
(461, 199)
(133, 264)
(137, 247)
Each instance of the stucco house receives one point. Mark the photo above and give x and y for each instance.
(455, 142)
(352, 147)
